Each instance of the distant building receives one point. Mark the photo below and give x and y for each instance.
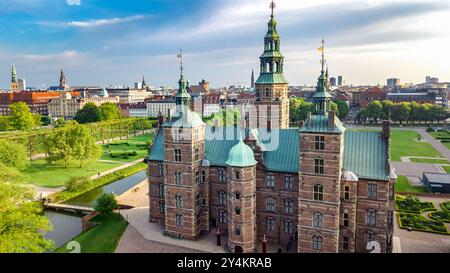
(393, 82)
(437, 182)
(430, 79)
(200, 89)
(435, 97)
(157, 107)
(128, 95)
(67, 105)
(374, 93)
(138, 110)
(37, 101)
(14, 81)
(22, 83)
(341, 81)
(333, 81)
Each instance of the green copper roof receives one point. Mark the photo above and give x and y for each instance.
(241, 155)
(319, 124)
(365, 154)
(272, 54)
(185, 118)
(13, 74)
(157, 149)
(269, 78)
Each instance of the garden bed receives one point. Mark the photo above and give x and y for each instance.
(412, 204)
(420, 223)
(445, 205)
(443, 216)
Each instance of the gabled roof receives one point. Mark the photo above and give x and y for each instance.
(365, 154)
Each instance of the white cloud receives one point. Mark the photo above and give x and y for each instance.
(73, 2)
(94, 23)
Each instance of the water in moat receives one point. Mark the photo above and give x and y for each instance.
(119, 187)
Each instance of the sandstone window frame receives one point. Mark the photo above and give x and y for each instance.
(179, 220)
(222, 175)
(270, 180)
(288, 206)
(319, 165)
(270, 224)
(178, 178)
(318, 191)
(346, 193)
(178, 155)
(288, 226)
(222, 198)
(270, 204)
(319, 143)
(179, 201)
(317, 242)
(371, 217)
(346, 218)
(288, 185)
(161, 190)
(317, 219)
(223, 215)
(372, 190)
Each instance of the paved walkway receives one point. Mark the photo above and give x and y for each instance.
(415, 169)
(138, 218)
(133, 242)
(436, 143)
(121, 167)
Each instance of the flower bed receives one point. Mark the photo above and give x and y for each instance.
(412, 204)
(445, 205)
(420, 223)
(441, 216)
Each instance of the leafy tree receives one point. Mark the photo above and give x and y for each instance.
(71, 142)
(438, 113)
(387, 108)
(88, 114)
(76, 183)
(375, 110)
(334, 107)
(37, 120)
(401, 112)
(343, 109)
(59, 123)
(21, 117)
(106, 203)
(22, 224)
(109, 111)
(415, 112)
(12, 154)
(4, 123)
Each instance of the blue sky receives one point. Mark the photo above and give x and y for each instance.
(103, 42)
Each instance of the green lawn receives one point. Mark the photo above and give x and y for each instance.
(103, 238)
(41, 174)
(430, 161)
(405, 143)
(444, 134)
(446, 168)
(127, 150)
(403, 185)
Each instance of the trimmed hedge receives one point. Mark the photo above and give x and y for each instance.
(420, 223)
(412, 204)
(99, 182)
(445, 205)
(441, 216)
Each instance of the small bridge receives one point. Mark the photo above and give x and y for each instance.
(71, 208)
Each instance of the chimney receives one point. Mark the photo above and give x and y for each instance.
(160, 120)
(387, 129)
(308, 119)
(331, 117)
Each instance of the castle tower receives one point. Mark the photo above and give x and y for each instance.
(272, 103)
(252, 80)
(14, 81)
(322, 139)
(184, 150)
(241, 199)
(63, 81)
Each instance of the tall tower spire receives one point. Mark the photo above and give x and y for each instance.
(271, 86)
(322, 97)
(62, 80)
(14, 81)
(182, 98)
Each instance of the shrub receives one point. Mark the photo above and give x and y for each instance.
(419, 222)
(441, 216)
(77, 183)
(106, 203)
(413, 204)
(446, 205)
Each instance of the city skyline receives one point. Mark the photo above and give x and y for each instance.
(404, 39)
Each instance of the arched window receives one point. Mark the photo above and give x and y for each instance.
(288, 206)
(222, 198)
(317, 220)
(179, 220)
(371, 217)
(179, 178)
(179, 201)
(270, 204)
(317, 242)
(270, 224)
(318, 192)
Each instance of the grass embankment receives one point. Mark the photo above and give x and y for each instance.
(56, 175)
(103, 238)
(406, 143)
(443, 136)
(403, 185)
(127, 150)
(92, 184)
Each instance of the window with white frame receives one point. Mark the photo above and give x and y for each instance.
(319, 166)
(346, 218)
(317, 242)
(179, 220)
(288, 206)
(161, 207)
(161, 190)
(270, 224)
(222, 173)
(177, 155)
(288, 182)
(318, 192)
(270, 180)
(222, 216)
(317, 220)
(371, 217)
(372, 191)
(288, 227)
(179, 201)
(222, 198)
(270, 204)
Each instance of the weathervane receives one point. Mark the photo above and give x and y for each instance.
(180, 57)
(322, 49)
(273, 6)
